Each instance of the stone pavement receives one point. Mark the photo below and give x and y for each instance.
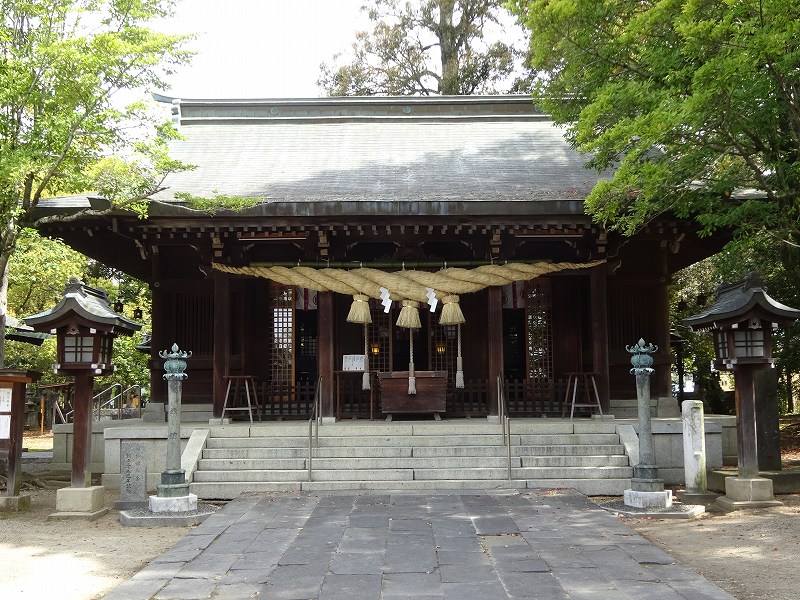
(460, 545)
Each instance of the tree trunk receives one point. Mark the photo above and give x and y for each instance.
(449, 52)
(4, 256)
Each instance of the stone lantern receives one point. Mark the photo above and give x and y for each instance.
(85, 327)
(742, 319)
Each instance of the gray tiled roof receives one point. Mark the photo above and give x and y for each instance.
(472, 155)
(733, 301)
(87, 302)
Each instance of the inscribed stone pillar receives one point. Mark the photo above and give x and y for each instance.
(694, 447)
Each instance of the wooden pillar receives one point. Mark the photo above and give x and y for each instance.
(82, 431)
(746, 427)
(325, 350)
(765, 386)
(13, 445)
(494, 343)
(222, 339)
(158, 341)
(598, 294)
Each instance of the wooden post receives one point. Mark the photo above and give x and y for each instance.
(222, 339)
(13, 444)
(765, 385)
(158, 335)
(746, 432)
(82, 431)
(494, 343)
(325, 349)
(598, 294)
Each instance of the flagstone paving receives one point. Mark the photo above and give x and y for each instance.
(482, 545)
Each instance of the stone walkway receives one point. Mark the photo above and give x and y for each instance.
(463, 545)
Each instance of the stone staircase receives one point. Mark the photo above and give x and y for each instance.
(585, 454)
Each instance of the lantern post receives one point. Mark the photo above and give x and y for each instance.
(85, 326)
(742, 320)
(647, 489)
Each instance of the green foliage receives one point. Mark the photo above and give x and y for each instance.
(38, 271)
(693, 103)
(694, 287)
(422, 48)
(218, 201)
(63, 64)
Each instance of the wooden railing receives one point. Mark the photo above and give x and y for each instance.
(523, 398)
(287, 401)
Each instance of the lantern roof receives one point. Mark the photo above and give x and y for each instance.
(89, 306)
(736, 302)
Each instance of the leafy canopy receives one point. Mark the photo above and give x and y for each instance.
(695, 103)
(424, 47)
(64, 64)
(38, 271)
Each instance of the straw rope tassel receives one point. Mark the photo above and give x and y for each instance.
(359, 310)
(412, 380)
(409, 315)
(365, 377)
(451, 311)
(459, 363)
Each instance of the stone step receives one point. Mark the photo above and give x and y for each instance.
(575, 461)
(483, 440)
(398, 428)
(399, 474)
(579, 439)
(556, 473)
(334, 452)
(249, 464)
(366, 440)
(230, 490)
(548, 450)
(299, 475)
(463, 462)
(420, 452)
(349, 464)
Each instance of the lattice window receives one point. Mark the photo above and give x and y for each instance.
(539, 326)
(194, 314)
(444, 347)
(380, 338)
(281, 346)
(78, 349)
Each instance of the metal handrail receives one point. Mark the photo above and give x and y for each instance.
(116, 398)
(313, 424)
(59, 412)
(505, 422)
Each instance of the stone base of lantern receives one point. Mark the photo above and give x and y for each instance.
(747, 492)
(179, 504)
(85, 503)
(706, 499)
(637, 499)
(21, 503)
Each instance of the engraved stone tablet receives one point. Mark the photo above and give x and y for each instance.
(132, 476)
